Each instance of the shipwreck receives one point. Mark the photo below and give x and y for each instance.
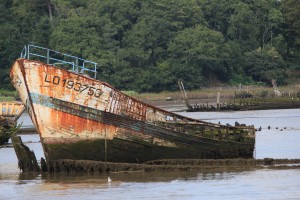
(9, 114)
(81, 118)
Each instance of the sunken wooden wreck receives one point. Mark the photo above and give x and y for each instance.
(9, 113)
(81, 118)
(5, 134)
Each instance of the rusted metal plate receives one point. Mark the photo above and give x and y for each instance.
(124, 105)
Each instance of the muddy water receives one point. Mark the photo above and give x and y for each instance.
(282, 140)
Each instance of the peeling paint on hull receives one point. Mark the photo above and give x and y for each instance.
(78, 117)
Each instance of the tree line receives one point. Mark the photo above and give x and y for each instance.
(148, 45)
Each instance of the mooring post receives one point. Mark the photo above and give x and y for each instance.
(105, 146)
(218, 100)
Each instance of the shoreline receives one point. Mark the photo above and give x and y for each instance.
(209, 105)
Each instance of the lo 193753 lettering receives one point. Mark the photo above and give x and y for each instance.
(74, 85)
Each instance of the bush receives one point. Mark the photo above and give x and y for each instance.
(130, 93)
(242, 95)
(263, 94)
(7, 95)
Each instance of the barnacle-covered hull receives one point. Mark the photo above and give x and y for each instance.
(78, 117)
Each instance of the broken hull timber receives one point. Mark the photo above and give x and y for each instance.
(9, 113)
(4, 127)
(81, 118)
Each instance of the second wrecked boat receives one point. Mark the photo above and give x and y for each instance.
(9, 114)
(81, 118)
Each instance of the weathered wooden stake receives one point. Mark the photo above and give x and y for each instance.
(186, 100)
(27, 160)
(218, 100)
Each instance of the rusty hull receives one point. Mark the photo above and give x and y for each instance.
(78, 117)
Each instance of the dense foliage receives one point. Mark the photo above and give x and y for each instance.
(148, 45)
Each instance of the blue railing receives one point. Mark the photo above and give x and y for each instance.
(51, 57)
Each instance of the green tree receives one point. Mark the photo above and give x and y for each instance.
(243, 27)
(147, 45)
(202, 49)
(290, 10)
(21, 22)
(269, 19)
(218, 14)
(266, 64)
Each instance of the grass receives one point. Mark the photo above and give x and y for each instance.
(7, 95)
(7, 99)
(225, 93)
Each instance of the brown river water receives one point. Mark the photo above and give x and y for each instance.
(282, 140)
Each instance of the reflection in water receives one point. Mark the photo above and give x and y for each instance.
(256, 184)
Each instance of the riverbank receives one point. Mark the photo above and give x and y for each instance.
(226, 98)
(207, 105)
(208, 98)
(226, 93)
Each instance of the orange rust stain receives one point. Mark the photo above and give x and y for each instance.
(78, 125)
(122, 104)
(61, 90)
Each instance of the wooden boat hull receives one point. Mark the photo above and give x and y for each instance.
(9, 113)
(78, 117)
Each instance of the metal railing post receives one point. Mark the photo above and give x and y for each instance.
(28, 52)
(48, 54)
(77, 65)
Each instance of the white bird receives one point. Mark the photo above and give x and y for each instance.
(108, 179)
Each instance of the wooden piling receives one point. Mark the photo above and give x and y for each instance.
(26, 159)
(218, 100)
(186, 100)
